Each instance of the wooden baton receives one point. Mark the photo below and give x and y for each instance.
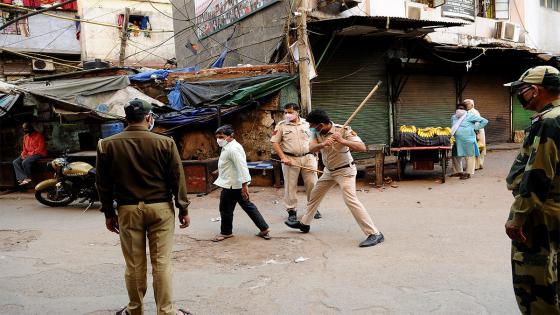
(303, 167)
(360, 107)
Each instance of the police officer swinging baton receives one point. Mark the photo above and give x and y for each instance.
(345, 124)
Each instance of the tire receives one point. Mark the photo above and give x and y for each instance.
(46, 197)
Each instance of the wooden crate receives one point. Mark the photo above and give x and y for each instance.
(198, 175)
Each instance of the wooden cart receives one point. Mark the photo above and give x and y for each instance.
(423, 158)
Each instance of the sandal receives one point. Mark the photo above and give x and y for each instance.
(465, 176)
(220, 237)
(264, 234)
(123, 311)
(183, 312)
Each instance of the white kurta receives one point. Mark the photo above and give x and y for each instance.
(482, 136)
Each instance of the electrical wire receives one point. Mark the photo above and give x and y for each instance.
(82, 20)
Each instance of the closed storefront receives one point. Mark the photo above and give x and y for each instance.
(345, 77)
(492, 100)
(521, 118)
(426, 101)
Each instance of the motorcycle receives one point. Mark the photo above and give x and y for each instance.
(71, 181)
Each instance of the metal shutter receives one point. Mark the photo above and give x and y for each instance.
(426, 101)
(492, 100)
(344, 79)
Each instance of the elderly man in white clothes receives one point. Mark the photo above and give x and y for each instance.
(480, 136)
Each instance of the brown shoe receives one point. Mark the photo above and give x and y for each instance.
(465, 176)
(456, 175)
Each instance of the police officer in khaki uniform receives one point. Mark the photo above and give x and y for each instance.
(335, 144)
(142, 171)
(290, 140)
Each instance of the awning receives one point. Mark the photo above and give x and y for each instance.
(375, 25)
(232, 92)
(69, 90)
(103, 98)
(7, 101)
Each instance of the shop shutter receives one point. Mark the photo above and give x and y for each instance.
(492, 100)
(426, 101)
(345, 78)
(521, 118)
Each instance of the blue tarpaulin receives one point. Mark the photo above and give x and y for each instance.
(159, 74)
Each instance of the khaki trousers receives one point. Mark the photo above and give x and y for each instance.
(458, 166)
(156, 222)
(348, 186)
(291, 175)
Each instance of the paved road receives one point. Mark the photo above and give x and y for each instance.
(445, 252)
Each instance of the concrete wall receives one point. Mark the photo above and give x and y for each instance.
(253, 42)
(542, 27)
(47, 35)
(538, 25)
(104, 42)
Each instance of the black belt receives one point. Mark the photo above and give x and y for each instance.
(132, 202)
(341, 167)
(295, 155)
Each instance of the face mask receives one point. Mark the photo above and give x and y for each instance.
(290, 117)
(152, 123)
(524, 102)
(221, 142)
(460, 112)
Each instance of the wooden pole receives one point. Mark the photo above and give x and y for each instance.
(304, 60)
(124, 36)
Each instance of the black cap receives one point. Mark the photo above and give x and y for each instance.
(137, 107)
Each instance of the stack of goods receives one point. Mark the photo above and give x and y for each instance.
(410, 136)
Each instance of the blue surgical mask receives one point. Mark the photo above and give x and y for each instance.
(313, 131)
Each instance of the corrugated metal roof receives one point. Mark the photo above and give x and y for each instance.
(366, 24)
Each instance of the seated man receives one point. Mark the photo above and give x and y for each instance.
(33, 149)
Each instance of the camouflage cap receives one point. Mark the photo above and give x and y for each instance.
(137, 107)
(541, 75)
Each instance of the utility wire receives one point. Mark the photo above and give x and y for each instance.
(35, 12)
(45, 60)
(78, 20)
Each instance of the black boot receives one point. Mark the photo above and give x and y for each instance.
(372, 240)
(292, 215)
(317, 215)
(298, 226)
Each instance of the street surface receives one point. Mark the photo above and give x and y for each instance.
(445, 252)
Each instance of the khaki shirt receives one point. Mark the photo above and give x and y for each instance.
(293, 137)
(338, 155)
(139, 165)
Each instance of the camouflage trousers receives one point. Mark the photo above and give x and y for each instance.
(535, 264)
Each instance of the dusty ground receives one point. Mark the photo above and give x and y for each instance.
(445, 252)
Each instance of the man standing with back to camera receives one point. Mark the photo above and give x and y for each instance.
(143, 172)
(534, 179)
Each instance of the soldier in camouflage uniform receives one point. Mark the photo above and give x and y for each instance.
(534, 219)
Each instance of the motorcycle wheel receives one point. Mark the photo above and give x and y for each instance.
(50, 197)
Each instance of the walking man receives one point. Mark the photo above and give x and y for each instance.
(143, 172)
(534, 219)
(335, 144)
(33, 149)
(234, 179)
(290, 140)
(480, 135)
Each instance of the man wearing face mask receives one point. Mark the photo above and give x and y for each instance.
(234, 179)
(533, 224)
(143, 172)
(33, 149)
(335, 144)
(290, 140)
